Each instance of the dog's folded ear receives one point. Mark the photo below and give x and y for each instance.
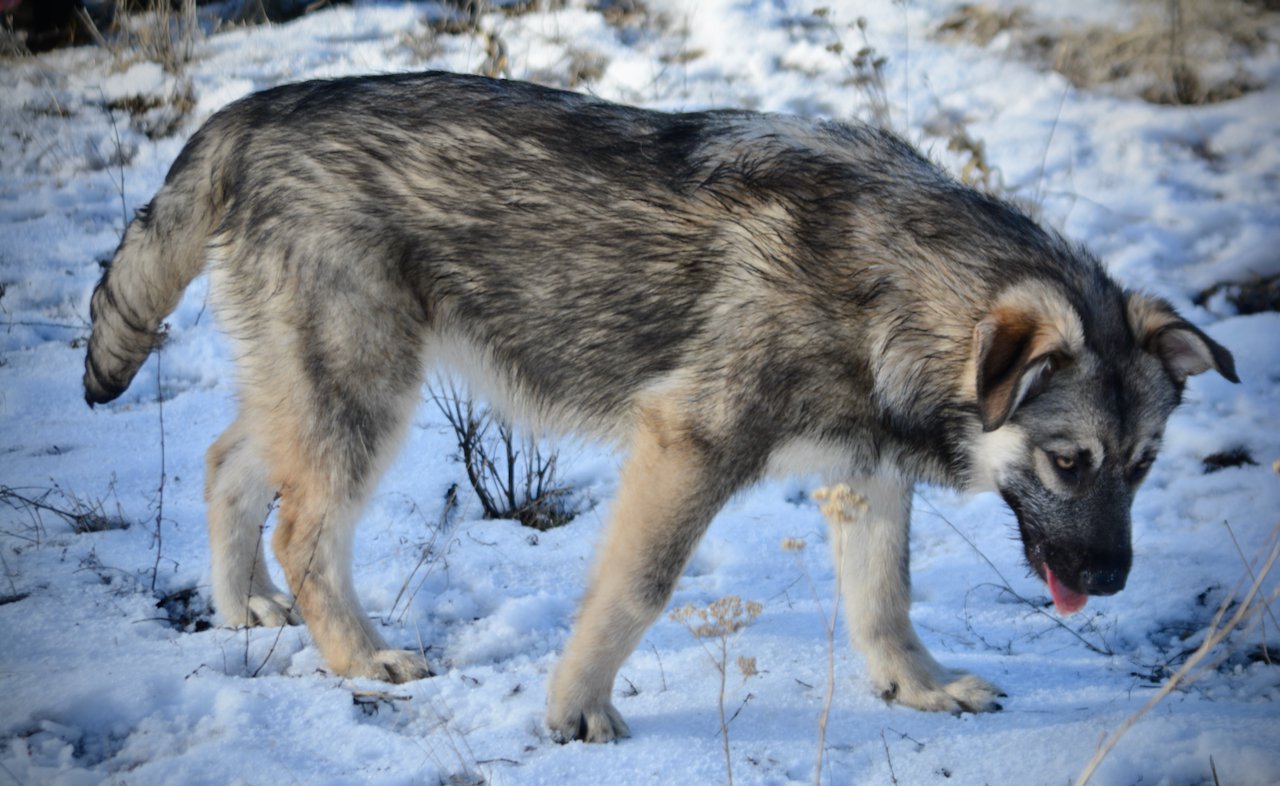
(1031, 332)
(1183, 348)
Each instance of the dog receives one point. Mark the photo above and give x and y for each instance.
(726, 294)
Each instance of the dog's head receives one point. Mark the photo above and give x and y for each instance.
(1073, 405)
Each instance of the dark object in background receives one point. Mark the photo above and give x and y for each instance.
(258, 11)
(1248, 297)
(1233, 457)
(42, 25)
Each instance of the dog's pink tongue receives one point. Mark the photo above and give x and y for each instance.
(1066, 601)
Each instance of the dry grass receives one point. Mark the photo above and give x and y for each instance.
(158, 33)
(12, 44)
(585, 66)
(1254, 606)
(1175, 52)
(158, 116)
(867, 67)
(975, 169)
(981, 24)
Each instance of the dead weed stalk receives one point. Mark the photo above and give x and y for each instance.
(842, 509)
(721, 622)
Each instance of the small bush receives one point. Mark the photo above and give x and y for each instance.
(511, 475)
(81, 514)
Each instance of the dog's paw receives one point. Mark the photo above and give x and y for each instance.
(268, 610)
(960, 692)
(273, 611)
(394, 666)
(599, 723)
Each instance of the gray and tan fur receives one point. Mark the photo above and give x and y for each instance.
(725, 294)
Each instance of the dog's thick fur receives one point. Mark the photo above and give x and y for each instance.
(724, 293)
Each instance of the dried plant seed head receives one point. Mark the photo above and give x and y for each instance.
(747, 666)
(719, 619)
(798, 544)
(840, 504)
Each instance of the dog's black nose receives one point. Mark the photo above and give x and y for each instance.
(1103, 581)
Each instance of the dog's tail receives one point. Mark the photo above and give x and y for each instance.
(162, 250)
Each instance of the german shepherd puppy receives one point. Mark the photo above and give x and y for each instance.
(724, 293)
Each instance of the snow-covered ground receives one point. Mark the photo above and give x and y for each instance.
(97, 683)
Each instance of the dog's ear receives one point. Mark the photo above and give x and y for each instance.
(1183, 348)
(1031, 332)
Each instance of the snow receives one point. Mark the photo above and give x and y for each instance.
(97, 686)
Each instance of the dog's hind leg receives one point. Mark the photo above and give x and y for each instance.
(239, 495)
(670, 491)
(872, 560)
(322, 494)
(330, 387)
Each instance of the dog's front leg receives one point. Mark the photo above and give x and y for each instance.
(872, 558)
(669, 493)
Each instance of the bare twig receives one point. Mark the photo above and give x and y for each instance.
(9, 772)
(904, 736)
(58, 325)
(724, 727)
(159, 540)
(297, 593)
(1266, 655)
(115, 130)
(1048, 142)
(661, 671)
(906, 67)
(429, 553)
(83, 516)
(1103, 649)
(741, 706)
(892, 777)
(8, 575)
(257, 552)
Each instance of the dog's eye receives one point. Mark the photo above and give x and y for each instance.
(1140, 469)
(1070, 467)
